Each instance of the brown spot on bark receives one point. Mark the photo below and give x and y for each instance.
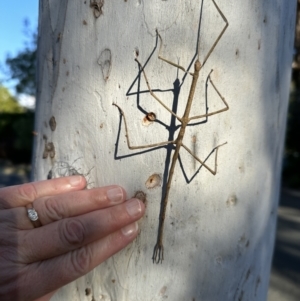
(149, 118)
(97, 6)
(153, 181)
(141, 196)
(52, 123)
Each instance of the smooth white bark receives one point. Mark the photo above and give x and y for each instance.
(219, 230)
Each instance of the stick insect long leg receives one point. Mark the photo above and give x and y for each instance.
(139, 146)
(216, 148)
(153, 94)
(184, 70)
(158, 252)
(214, 112)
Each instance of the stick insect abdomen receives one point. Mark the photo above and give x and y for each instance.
(158, 254)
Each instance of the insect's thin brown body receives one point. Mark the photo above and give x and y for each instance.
(158, 253)
(158, 249)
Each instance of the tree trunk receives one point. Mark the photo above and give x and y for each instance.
(219, 229)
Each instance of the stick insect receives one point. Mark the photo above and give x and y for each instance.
(158, 252)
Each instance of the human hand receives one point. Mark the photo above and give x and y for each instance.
(80, 229)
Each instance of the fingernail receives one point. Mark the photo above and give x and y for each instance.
(115, 195)
(75, 180)
(133, 207)
(130, 229)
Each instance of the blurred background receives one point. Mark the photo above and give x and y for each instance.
(18, 36)
(18, 41)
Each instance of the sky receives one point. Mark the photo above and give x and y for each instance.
(12, 36)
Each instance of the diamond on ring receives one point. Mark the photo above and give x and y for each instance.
(32, 214)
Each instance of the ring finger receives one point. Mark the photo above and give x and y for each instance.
(71, 204)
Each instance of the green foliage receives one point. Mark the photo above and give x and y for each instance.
(23, 68)
(16, 125)
(8, 104)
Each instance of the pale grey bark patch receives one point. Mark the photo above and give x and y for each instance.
(53, 15)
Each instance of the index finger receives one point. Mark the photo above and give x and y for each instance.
(21, 195)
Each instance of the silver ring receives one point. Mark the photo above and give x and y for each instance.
(33, 216)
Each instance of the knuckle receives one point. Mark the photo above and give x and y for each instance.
(53, 211)
(81, 260)
(27, 192)
(72, 232)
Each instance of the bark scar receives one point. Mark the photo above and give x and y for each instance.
(97, 6)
